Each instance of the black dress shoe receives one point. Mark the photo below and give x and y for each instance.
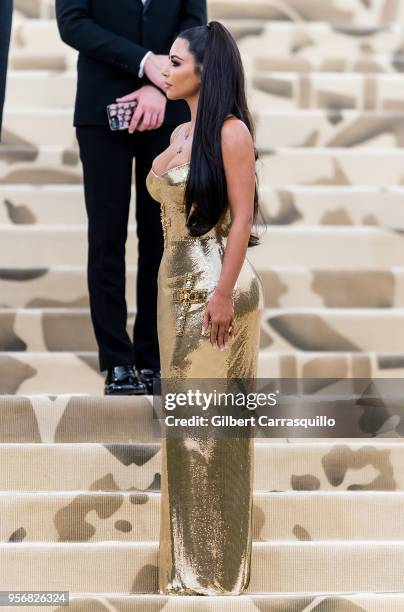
(122, 380)
(148, 376)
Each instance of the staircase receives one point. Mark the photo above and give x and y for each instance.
(80, 472)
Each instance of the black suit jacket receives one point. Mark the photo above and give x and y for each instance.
(112, 37)
(6, 10)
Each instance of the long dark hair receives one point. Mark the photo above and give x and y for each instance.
(222, 91)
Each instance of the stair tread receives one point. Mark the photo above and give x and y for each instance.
(295, 465)
(278, 516)
(273, 602)
(342, 567)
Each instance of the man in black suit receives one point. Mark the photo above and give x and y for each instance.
(6, 10)
(123, 47)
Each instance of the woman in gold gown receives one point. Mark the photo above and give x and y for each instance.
(209, 306)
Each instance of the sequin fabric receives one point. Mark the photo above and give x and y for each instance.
(206, 483)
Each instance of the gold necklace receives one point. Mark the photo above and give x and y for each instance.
(185, 139)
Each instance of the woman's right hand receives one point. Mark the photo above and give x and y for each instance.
(219, 311)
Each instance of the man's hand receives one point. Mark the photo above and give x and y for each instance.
(150, 109)
(153, 67)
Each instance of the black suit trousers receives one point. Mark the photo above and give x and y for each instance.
(107, 157)
(6, 9)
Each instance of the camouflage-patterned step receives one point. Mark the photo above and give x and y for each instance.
(302, 287)
(327, 205)
(77, 418)
(285, 167)
(27, 163)
(47, 88)
(46, 372)
(275, 128)
(349, 248)
(24, 372)
(70, 418)
(342, 166)
(371, 13)
(353, 129)
(130, 517)
(375, 602)
(46, 205)
(59, 244)
(320, 47)
(20, 59)
(282, 90)
(118, 420)
(310, 329)
(37, 43)
(129, 567)
(332, 330)
(295, 287)
(316, 63)
(35, 8)
(278, 466)
(55, 287)
(321, 364)
(318, 205)
(48, 330)
(331, 91)
(34, 34)
(40, 126)
(42, 35)
(357, 288)
(305, 40)
(339, 167)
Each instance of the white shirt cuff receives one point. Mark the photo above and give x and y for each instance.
(142, 63)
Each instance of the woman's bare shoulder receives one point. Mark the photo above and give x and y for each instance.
(235, 133)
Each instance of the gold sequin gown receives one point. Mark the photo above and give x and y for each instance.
(206, 484)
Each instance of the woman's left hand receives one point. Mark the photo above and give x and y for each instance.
(219, 311)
